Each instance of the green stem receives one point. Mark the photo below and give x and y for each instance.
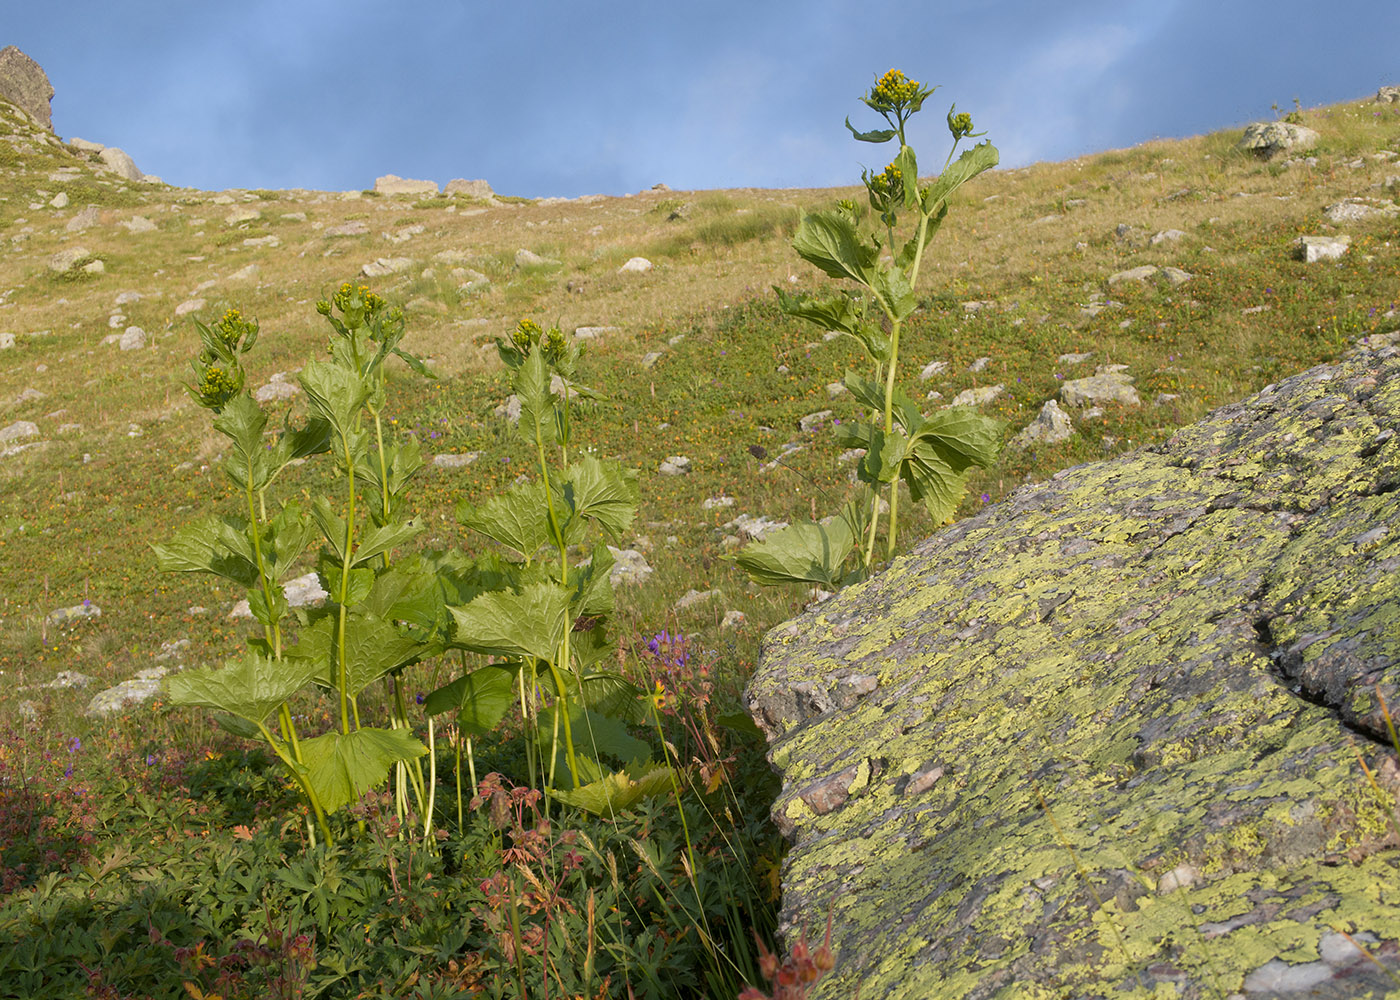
(300, 780)
(342, 681)
(561, 707)
(432, 785)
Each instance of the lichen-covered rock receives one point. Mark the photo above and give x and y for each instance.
(1268, 139)
(24, 84)
(1103, 739)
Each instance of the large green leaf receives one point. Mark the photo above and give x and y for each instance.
(373, 648)
(836, 313)
(408, 593)
(531, 383)
(933, 482)
(481, 698)
(592, 584)
(968, 165)
(530, 623)
(874, 135)
(380, 540)
(594, 734)
(964, 437)
(829, 241)
(603, 692)
(198, 548)
(602, 492)
(285, 539)
(242, 421)
(881, 461)
(332, 525)
(335, 393)
(250, 686)
(341, 767)
(866, 392)
(807, 552)
(619, 790)
(909, 170)
(517, 518)
(893, 288)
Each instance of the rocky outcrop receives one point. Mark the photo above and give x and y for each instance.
(1106, 738)
(24, 84)
(1269, 139)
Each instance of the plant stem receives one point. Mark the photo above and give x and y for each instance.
(342, 611)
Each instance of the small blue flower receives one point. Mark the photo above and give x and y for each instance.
(986, 498)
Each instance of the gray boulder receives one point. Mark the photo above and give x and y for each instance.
(1388, 95)
(1050, 427)
(394, 184)
(1268, 139)
(1312, 249)
(24, 84)
(119, 163)
(1102, 739)
(1108, 387)
(473, 189)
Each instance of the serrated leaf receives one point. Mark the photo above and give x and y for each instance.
(594, 734)
(414, 363)
(332, 525)
(619, 790)
(285, 539)
(807, 552)
(867, 392)
(242, 421)
(250, 686)
(379, 540)
(874, 135)
(373, 648)
(964, 437)
(602, 492)
(531, 384)
(592, 584)
(361, 580)
(265, 613)
(334, 392)
(828, 240)
(968, 165)
(198, 548)
(481, 698)
(341, 767)
(881, 461)
(894, 291)
(518, 518)
(908, 166)
(935, 484)
(530, 623)
(835, 313)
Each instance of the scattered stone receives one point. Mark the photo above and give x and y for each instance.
(127, 298)
(650, 358)
(277, 388)
(629, 567)
(1166, 236)
(304, 591)
(835, 389)
(1140, 273)
(456, 460)
(755, 527)
(1050, 427)
(133, 339)
(637, 265)
(94, 267)
(1179, 877)
(65, 260)
(20, 430)
(1075, 359)
(24, 84)
(189, 306)
(293, 216)
(1268, 139)
(1276, 976)
(59, 200)
(244, 214)
(1359, 209)
(244, 273)
(1312, 249)
(979, 396)
(528, 258)
(510, 409)
(716, 503)
(931, 369)
(1113, 387)
(979, 365)
(7, 340)
(66, 679)
(812, 421)
(594, 332)
(1388, 95)
(473, 189)
(394, 184)
(1166, 398)
(1176, 276)
(120, 164)
(733, 619)
(74, 613)
(382, 267)
(263, 241)
(850, 456)
(355, 227)
(693, 597)
(675, 465)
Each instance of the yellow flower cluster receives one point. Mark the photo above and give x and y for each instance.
(891, 182)
(960, 125)
(217, 387)
(894, 90)
(232, 327)
(350, 297)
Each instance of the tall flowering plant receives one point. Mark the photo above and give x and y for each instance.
(931, 455)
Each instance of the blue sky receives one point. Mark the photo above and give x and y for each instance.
(570, 97)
